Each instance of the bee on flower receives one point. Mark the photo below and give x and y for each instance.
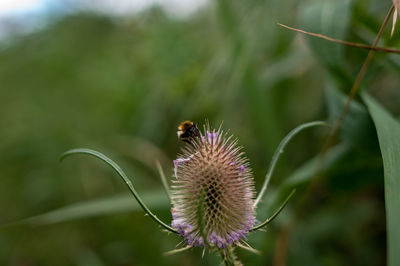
(212, 175)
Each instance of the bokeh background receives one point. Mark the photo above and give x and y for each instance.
(119, 76)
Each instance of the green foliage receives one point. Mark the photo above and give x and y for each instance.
(121, 86)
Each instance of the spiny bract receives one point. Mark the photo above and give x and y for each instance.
(213, 191)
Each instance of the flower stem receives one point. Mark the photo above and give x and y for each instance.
(229, 258)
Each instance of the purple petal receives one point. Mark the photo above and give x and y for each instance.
(212, 238)
(235, 236)
(177, 162)
(212, 136)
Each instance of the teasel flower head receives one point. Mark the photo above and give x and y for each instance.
(213, 191)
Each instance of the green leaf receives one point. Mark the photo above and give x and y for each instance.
(103, 206)
(388, 129)
(305, 172)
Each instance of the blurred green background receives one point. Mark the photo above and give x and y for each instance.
(121, 84)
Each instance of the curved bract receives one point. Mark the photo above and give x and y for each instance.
(279, 151)
(123, 176)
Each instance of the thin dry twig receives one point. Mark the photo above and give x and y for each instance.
(356, 85)
(352, 44)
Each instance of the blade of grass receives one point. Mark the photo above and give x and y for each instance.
(104, 206)
(388, 129)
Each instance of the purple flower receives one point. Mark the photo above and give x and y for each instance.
(212, 175)
(242, 168)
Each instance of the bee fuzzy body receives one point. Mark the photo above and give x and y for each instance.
(187, 131)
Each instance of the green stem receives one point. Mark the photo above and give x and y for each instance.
(229, 258)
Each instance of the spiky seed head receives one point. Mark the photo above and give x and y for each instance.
(213, 191)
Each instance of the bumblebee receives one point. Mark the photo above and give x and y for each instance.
(187, 131)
